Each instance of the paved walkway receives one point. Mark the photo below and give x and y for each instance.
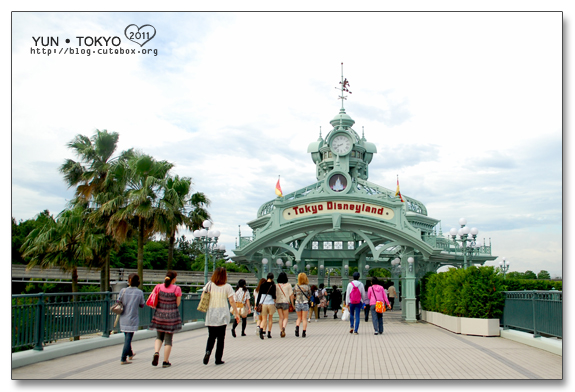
(404, 351)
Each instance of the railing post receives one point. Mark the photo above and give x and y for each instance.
(106, 315)
(39, 324)
(183, 308)
(536, 334)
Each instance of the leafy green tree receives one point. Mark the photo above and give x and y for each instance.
(58, 243)
(529, 275)
(89, 175)
(544, 275)
(136, 206)
(515, 275)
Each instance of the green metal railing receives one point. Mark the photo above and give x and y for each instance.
(540, 312)
(38, 319)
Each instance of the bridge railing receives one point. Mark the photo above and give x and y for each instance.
(539, 312)
(39, 319)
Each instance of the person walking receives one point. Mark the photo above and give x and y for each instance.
(166, 320)
(132, 298)
(355, 295)
(366, 305)
(218, 314)
(392, 294)
(376, 293)
(313, 308)
(284, 297)
(258, 315)
(302, 294)
(335, 300)
(266, 297)
(321, 295)
(242, 298)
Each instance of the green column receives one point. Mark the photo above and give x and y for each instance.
(344, 276)
(408, 291)
(320, 272)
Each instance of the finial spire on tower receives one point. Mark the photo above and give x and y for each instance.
(344, 87)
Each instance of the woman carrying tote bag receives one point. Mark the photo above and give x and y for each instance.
(218, 314)
(132, 298)
(242, 298)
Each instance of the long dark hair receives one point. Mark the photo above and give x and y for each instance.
(241, 285)
(170, 276)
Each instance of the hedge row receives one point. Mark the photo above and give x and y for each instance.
(473, 292)
(532, 284)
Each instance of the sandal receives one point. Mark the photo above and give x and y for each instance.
(125, 362)
(156, 359)
(132, 356)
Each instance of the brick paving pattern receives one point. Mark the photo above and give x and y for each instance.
(404, 351)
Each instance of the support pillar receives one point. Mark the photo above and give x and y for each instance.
(344, 277)
(408, 310)
(320, 272)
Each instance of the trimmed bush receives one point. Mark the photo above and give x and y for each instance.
(474, 292)
(532, 284)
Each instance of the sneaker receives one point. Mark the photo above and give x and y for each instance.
(166, 364)
(156, 359)
(257, 330)
(269, 335)
(351, 330)
(355, 333)
(234, 333)
(132, 356)
(316, 320)
(308, 320)
(376, 333)
(220, 363)
(244, 334)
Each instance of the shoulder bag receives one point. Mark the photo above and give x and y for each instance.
(118, 307)
(379, 308)
(308, 298)
(240, 305)
(153, 298)
(205, 300)
(260, 306)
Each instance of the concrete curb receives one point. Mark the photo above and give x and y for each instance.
(64, 349)
(554, 346)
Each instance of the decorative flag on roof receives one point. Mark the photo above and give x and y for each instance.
(398, 193)
(279, 188)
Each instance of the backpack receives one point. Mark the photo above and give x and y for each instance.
(355, 295)
(320, 294)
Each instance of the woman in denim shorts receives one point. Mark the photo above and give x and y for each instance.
(284, 296)
(257, 315)
(302, 294)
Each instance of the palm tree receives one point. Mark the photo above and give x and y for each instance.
(89, 176)
(59, 243)
(136, 207)
(178, 208)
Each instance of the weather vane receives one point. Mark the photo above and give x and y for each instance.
(344, 84)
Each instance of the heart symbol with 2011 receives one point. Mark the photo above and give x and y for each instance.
(140, 35)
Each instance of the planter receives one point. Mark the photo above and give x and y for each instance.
(481, 327)
(463, 325)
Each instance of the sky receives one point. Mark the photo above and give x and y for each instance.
(466, 108)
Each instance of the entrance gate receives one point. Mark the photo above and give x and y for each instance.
(344, 221)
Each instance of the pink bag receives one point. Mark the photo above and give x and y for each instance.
(152, 301)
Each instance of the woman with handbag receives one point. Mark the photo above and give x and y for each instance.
(257, 313)
(313, 304)
(284, 298)
(242, 298)
(131, 298)
(302, 294)
(266, 301)
(166, 320)
(218, 313)
(378, 301)
(321, 295)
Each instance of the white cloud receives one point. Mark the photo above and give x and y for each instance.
(468, 116)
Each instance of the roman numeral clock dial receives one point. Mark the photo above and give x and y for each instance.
(341, 145)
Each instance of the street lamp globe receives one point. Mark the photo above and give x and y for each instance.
(215, 233)
(367, 266)
(321, 266)
(203, 233)
(465, 230)
(264, 261)
(474, 231)
(197, 233)
(453, 232)
(288, 263)
(308, 266)
(279, 262)
(410, 260)
(207, 224)
(222, 247)
(462, 221)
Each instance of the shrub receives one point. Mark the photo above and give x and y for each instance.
(529, 284)
(473, 292)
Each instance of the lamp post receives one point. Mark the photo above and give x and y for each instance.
(410, 261)
(463, 234)
(265, 263)
(504, 265)
(219, 251)
(208, 238)
(280, 264)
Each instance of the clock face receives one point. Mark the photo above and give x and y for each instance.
(341, 145)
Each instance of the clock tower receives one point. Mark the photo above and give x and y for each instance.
(342, 156)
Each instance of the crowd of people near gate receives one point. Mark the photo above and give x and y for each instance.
(222, 301)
